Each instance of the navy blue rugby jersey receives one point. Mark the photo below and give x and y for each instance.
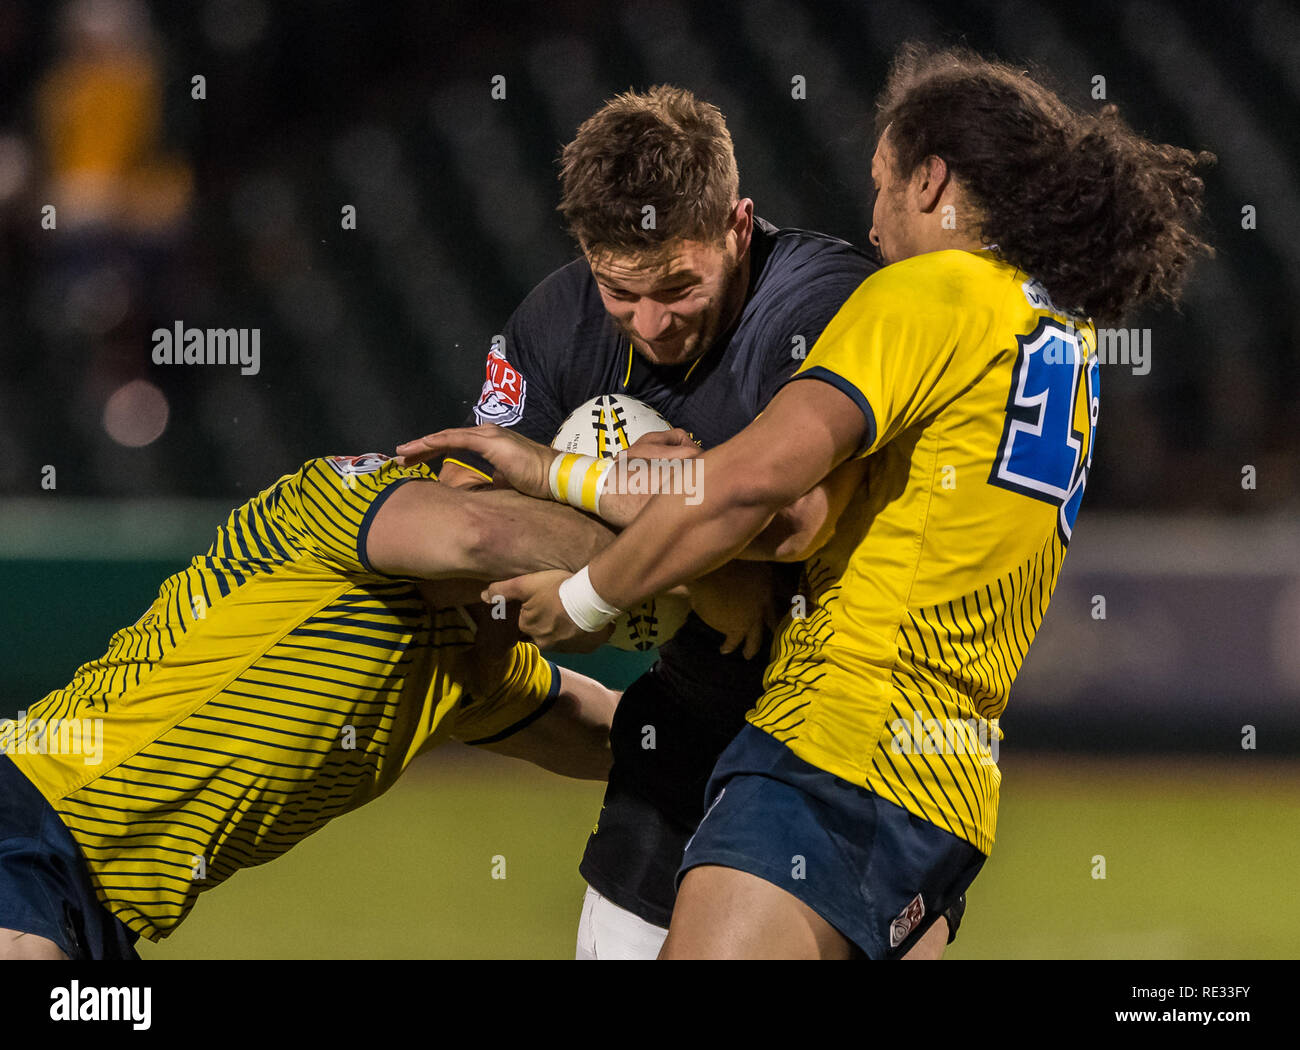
(561, 349)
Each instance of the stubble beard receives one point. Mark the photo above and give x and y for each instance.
(700, 342)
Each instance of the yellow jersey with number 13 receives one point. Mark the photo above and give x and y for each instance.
(981, 399)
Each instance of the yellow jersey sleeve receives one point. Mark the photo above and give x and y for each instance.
(526, 689)
(899, 347)
(332, 500)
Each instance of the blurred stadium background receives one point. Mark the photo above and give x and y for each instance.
(1125, 735)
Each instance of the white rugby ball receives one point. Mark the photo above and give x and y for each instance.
(605, 426)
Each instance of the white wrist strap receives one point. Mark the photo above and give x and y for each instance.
(579, 480)
(587, 609)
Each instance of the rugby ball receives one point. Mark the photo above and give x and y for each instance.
(606, 426)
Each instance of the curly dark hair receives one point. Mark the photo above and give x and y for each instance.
(663, 147)
(1104, 218)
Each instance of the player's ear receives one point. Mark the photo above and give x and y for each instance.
(929, 181)
(742, 224)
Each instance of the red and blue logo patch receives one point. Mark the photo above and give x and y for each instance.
(502, 399)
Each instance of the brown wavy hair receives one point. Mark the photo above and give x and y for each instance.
(663, 147)
(1103, 217)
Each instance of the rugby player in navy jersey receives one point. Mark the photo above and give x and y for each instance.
(684, 299)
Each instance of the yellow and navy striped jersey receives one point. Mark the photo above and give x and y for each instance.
(275, 683)
(981, 403)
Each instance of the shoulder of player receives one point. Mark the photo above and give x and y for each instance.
(569, 288)
(567, 295)
(938, 281)
(794, 248)
(546, 325)
(345, 478)
(806, 278)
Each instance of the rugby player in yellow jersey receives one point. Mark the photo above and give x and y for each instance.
(329, 635)
(861, 798)
(287, 676)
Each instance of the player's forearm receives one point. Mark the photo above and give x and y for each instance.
(518, 535)
(572, 738)
(619, 509)
(800, 439)
(785, 538)
(801, 529)
(740, 486)
(672, 542)
(431, 531)
(795, 532)
(634, 481)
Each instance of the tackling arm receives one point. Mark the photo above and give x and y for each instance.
(433, 531)
(572, 738)
(806, 432)
(795, 531)
(798, 531)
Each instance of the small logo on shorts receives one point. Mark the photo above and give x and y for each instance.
(905, 921)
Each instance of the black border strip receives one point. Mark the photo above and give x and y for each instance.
(531, 717)
(844, 387)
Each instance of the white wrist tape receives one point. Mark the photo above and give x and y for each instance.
(587, 609)
(578, 480)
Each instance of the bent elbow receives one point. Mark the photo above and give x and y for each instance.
(799, 546)
(763, 489)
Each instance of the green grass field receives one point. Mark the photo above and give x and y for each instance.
(1201, 860)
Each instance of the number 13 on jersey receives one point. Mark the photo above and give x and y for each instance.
(1051, 420)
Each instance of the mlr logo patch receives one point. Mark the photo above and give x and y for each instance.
(502, 399)
(350, 466)
(906, 920)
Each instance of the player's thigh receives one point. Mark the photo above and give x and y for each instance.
(794, 930)
(14, 944)
(723, 913)
(841, 865)
(932, 943)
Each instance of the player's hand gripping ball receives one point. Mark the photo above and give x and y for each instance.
(606, 426)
